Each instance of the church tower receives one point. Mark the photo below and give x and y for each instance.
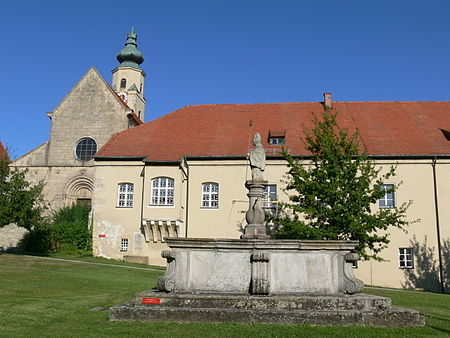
(128, 77)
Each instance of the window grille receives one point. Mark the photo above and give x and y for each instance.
(405, 258)
(388, 200)
(124, 245)
(85, 149)
(125, 195)
(270, 196)
(162, 191)
(273, 141)
(210, 195)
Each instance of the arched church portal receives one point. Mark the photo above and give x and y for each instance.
(79, 191)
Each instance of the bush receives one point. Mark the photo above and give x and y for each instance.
(70, 228)
(39, 239)
(68, 231)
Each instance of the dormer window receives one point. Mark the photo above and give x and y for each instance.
(277, 137)
(123, 83)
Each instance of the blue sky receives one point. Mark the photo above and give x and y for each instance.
(221, 51)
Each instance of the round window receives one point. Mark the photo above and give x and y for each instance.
(86, 148)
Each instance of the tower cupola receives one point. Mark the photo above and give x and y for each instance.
(128, 77)
(130, 56)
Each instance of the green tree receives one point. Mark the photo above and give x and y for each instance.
(331, 197)
(21, 202)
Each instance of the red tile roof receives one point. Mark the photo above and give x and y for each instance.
(3, 152)
(386, 128)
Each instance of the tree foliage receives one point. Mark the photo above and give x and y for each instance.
(21, 202)
(67, 230)
(332, 196)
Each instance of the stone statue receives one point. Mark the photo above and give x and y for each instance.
(255, 216)
(257, 159)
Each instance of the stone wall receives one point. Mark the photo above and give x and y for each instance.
(10, 235)
(91, 109)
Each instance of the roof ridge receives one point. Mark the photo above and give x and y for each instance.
(391, 102)
(162, 117)
(297, 102)
(246, 104)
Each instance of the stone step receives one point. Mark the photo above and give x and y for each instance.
(358, 302)
(392, 317)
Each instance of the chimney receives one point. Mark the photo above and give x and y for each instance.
(327, 100)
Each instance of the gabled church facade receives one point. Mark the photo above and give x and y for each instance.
(82, 123)
(183, 175)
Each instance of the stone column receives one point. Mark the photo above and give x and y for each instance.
(260, 283)
(255, 216)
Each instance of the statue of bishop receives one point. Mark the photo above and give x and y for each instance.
(257, 159)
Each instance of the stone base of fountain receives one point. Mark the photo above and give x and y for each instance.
(360, 309)
(262, 281)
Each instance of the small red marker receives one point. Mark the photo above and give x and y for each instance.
(101, 236)
(147, 300)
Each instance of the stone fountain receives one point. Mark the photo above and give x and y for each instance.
(262, 280)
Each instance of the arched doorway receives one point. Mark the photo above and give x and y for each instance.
(79, 191)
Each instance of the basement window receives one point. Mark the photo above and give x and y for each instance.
(124, 245)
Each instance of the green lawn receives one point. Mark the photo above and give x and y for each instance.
(43, 298)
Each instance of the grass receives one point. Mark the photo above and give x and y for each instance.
(92, 259)
(44, 298)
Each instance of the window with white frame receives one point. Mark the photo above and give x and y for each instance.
(162, 191)
(123, 244)
(125, 195)
(275, 141)
(210, 195)
(388, 200)
(405, 258)
(270, 196)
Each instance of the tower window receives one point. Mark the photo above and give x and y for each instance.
(123, 83)
(85, 149)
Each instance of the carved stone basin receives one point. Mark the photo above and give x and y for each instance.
(259, 267)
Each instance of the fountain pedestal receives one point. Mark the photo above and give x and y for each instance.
(255, 216)
(262, 281)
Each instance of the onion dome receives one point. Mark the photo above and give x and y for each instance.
(130, 56)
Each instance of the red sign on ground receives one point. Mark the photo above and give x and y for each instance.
(147, 300)
(101, 235)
